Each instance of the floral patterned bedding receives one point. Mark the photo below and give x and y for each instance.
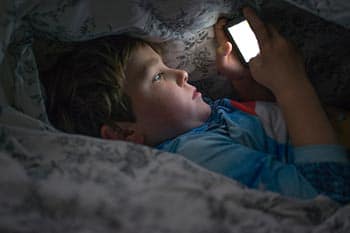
(54, 182)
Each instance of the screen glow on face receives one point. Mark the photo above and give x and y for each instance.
(245, 40)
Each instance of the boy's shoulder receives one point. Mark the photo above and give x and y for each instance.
(268, 113)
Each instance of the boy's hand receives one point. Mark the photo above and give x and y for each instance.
(229, 65)
(278, 66)
(227, 62)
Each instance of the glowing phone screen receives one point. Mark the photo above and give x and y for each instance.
(245, 40)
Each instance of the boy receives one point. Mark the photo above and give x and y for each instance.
(128, 93)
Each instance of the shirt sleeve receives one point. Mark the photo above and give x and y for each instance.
(327, 168)
(252, 168)
(329, 178)
(320, 154)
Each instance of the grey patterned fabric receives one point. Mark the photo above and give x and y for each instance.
(54, 182)
(336, 10)
(80, 184)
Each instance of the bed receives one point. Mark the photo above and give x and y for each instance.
(56, 182)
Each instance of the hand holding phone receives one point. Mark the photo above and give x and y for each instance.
(279, 65)
(280, 68)
(229, 65)
(227, 61)
(242, 39)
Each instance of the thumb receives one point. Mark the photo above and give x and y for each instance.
(227, 62)
(255, 65)
(222, 55)
(225, 49)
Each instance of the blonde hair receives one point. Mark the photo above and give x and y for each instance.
(85, 88)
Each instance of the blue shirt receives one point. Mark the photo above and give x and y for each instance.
(236, 144)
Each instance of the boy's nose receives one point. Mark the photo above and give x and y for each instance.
(181, 77)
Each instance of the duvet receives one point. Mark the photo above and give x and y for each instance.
(51, 181)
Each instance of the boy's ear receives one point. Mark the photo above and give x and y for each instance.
(126, 132)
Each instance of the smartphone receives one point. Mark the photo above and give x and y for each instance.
(243, 39)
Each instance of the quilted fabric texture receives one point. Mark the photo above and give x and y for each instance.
(321, 42)
(55, 182)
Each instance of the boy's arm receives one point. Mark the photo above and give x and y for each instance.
(280, 68)
(306, 120)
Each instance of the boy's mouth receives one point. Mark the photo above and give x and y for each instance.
(196, 94)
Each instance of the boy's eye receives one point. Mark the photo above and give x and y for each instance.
(158, 77)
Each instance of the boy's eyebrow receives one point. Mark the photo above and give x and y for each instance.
(151, 62)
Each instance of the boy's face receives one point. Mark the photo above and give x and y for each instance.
(165, 105)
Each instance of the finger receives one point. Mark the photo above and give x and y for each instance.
(221, 22)
(255, 64)
(277, 37)
(219, 31)
(228, 64)
(225, 49)
(273, 31)
(258, 27)
(222, 55)
(226, 55)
